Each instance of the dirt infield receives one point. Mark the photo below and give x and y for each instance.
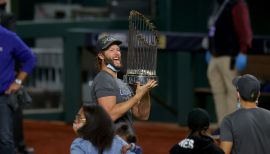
(55, 137)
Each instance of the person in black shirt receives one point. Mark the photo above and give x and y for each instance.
(198, 141)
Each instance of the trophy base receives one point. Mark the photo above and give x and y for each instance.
(134, 79)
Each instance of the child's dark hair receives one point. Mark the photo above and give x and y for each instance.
(98, 128)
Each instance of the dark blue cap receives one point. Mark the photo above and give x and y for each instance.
(248, 87)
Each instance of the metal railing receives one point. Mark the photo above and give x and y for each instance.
(45, 84)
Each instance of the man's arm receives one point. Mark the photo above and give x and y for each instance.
(26, 60)
(142, 109)
(226, 135)
(117, 110)
(226, 146)
(15, 85)
(242, 25)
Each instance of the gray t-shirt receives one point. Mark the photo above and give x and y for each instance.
(104, 85)
(248, 129)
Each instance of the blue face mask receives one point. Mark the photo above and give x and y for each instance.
(238, 105)
(110, 66)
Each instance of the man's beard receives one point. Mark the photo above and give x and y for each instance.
(110, 61)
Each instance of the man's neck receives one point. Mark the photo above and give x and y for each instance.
(105, 68)
(248, 105)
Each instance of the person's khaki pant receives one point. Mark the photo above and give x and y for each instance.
(220, 77)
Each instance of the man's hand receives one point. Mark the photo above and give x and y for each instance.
(141, 110)
(13, 88)
(17, 84)
(208, 56)
(141, 90)
(241, 62)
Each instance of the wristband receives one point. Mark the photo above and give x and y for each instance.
(18, 81)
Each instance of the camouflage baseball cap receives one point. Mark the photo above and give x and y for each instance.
(105, 41)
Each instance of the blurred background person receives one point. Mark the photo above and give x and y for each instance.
(13, 50)
(230, 37)
(8, 20)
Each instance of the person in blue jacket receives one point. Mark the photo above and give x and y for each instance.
(96, 134)
(8, 21)
(12, 51)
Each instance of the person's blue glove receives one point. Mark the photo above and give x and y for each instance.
(241, 62)
(208, 56)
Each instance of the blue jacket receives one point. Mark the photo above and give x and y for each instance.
(13, 51)
(81, 146)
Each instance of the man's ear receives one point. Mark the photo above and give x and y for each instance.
(100, 55)
(238, 95)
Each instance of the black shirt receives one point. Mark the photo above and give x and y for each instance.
(196, 145)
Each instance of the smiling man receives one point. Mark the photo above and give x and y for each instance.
(115, 96)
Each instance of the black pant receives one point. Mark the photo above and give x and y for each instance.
(18, 129)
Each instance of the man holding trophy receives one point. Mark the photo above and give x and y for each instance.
(112, 93)
(122, 102)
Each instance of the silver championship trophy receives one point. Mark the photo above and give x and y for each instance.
(142, 50)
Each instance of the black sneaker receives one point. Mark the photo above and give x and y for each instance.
(27, 150)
